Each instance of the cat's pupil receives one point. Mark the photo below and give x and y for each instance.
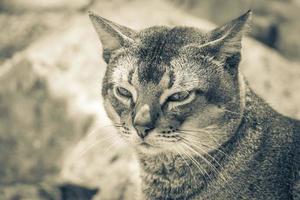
(179, 96)
(123, 92)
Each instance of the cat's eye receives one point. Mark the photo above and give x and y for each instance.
(179, 96)
(123, 92)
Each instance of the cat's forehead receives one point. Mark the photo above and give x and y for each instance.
(155, 59)
(157, 47)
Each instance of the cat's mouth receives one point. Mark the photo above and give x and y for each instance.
(145, 144)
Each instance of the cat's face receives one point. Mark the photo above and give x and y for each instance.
(168, 88)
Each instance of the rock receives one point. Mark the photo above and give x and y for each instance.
(27, 191)
(41, 117)
(288, 43)
(22, 29)
(71, 192)
(33, 121)
(19, 5)
(265, 29)
(273, 77)
(275, 22)
(46, 191)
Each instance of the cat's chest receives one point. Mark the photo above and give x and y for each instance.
(251, 172)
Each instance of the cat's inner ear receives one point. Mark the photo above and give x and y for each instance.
(112, 35)
(226, 41)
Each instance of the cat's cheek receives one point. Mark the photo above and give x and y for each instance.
(211, 115)
(201, 117)
(112, 114)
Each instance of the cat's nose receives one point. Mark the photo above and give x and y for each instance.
(143, 131)
(142, 121)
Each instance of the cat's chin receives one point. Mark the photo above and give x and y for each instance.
(145, 145)
(146, 148)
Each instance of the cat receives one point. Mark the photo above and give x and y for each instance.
(177, 96)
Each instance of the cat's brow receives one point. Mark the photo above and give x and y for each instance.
(158, 47)
(130, 75)
(167, 80)
(172, 79)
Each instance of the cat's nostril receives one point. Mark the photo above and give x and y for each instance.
(148, 129)
(143, 131)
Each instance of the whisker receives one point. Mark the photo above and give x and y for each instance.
(207, 146)
(196, 162)
(223, 177)
(205, 152)
(197, 138)
(202, 157)
(201, 131)
(193, 131)
(208, 129)
(230, 111)
(85, 150)
(211, 157)
(182, 157)
(210, 164)
(202, 171)
(114, 144)
(98, 129)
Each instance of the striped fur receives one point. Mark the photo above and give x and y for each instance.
(220, 141)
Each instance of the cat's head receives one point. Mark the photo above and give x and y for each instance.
(167, 89)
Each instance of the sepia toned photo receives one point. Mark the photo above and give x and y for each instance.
(149, 100)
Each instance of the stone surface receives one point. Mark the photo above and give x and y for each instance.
(27, 191)
(33, 121)
(42, 5)
(37, 126)
(24, 28)
(275, 22)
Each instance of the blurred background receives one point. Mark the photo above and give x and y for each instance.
(55, 139)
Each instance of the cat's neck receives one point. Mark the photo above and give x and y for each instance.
(185, 176)
(170, 174)
(179, 176)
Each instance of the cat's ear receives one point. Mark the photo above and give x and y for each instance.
(225, 42)
(112, 35)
